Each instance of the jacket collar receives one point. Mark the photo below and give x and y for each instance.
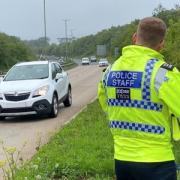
(132, 50)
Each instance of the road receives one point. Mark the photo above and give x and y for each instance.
(16, 131)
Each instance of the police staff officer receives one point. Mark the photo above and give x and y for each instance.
(140, 113)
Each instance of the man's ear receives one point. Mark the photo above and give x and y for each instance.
(134, 38)
(160, 46)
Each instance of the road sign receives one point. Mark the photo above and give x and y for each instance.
(101, 50)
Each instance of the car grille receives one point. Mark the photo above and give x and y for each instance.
(16, 110)
(17, 97)
(103, 64)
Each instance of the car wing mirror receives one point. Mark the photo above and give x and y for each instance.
(58, 76)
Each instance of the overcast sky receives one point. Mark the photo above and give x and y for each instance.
(24, 18)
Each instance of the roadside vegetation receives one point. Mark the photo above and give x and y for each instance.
(69, 65)
(82, 149)
(13, 50)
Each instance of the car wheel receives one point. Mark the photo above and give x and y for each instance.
(68, 100)
(54, 107)
(2, 117)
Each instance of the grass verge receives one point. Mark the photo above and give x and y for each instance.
(81, 150)
(69, 65)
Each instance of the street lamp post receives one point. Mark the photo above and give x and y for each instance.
(72, 38)
(45, 37)
(66, 36)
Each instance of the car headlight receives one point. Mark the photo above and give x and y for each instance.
(41, 91)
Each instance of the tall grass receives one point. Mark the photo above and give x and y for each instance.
(81, 150)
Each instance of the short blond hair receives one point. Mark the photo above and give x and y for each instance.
(151, 31)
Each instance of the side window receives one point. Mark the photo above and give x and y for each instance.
(58, 68)
(53, 70)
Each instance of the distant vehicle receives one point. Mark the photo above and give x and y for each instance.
(85, 61)
(34, 88)
(93, 59)
(103, 62)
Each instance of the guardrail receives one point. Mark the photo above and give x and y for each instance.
(67, 64)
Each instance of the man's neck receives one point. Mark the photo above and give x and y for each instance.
(145, 45)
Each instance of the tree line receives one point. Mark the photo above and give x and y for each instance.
(118, 37)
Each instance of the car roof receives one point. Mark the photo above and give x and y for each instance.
(31, 63)
(103, 59)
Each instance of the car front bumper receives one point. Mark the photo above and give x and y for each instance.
(103, 65)
(19, 108)
(85, 63)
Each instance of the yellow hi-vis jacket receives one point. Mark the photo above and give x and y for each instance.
(140, 94)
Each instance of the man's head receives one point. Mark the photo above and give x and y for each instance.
(150, 33)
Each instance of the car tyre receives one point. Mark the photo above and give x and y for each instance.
(54, 107)
(68, 101)
(2, 118)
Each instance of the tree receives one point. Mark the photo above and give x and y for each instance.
(13, 50)
(158, 10)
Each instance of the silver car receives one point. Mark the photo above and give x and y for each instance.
(103, 62)
(85, 61)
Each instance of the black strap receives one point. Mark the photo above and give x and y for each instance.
(167, 66)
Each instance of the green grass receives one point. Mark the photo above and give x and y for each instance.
(81, 150)
(70, 66)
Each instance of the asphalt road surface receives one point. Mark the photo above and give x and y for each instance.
(16, 131)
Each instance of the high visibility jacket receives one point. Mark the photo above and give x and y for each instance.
(140, 94)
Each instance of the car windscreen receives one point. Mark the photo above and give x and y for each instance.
(27, 72)
(103, 60)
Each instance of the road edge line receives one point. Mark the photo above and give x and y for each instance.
(75, 115)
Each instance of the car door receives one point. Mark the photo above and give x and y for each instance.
(63, 79)
(57, 82)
